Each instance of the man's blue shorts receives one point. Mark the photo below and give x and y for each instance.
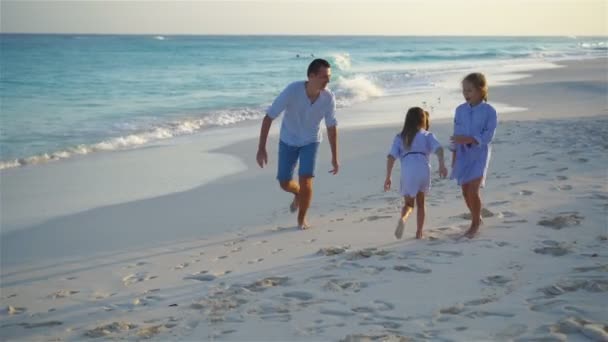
(288, 158)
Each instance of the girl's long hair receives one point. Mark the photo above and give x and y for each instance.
(415, 119)
(478, 80)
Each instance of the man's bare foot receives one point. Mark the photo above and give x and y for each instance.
(419, 234)
(400, 228)
(295, 204)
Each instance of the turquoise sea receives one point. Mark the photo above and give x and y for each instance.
(66, 95)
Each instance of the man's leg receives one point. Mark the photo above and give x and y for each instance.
(288, 157)
(308, 158)
(305, 197)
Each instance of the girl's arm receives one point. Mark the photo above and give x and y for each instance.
(443, 172)
(453, 158)
(487, 134)
(484, 137)
(390, 162)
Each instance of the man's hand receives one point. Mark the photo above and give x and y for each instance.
(387, 184)
(336, 167)
(262, 157)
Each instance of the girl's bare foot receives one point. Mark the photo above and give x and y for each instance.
(474, 230)
(419, 234)
(303, 226)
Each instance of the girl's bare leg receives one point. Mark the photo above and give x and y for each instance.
(421, 214)
(405, 213)
(475, 201)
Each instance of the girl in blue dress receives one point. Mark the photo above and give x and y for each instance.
(474, 126)
(412, 147)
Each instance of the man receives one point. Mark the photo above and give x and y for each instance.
(305, 104)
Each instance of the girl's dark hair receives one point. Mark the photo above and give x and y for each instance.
(415, 119)
(478, 80)
(427, 120)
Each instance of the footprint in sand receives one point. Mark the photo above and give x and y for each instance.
(512, 331)
(299, 295)
(62, 294)
(506, 214)
(381, 305)
(336, 313)
(275, 251)
(384, 325)
(562, 221)
(374, 218)
(576, 325)
(563, 286)
(480, 301)
(110, 329)
(40, 324)
(553, 248)
(260, 242)
(255, 261)
(498, 203)
(496, 280)
(137, 278)
(233, 242)
(518, 183)
(561, 178)
(201, 276)
(599, 268)
(482, 314)
(452, 310)
(565, 187)
(102, 295)
(485, 213)
(333, 250)
(549, 306)
(14, 310)
(344, 285)
(141, 263)
(526, 192)
(515, 221)
(411, 268)
(221, 257)
(181, 266)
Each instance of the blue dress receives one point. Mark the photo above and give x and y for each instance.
(472, 160)
(415, 166)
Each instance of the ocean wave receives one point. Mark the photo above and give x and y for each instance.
(357, 88)
(340, 61)
(601, 46)
(161, 132)
(409, 57)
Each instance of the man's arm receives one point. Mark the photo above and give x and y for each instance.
(262, 156)
(332, 135)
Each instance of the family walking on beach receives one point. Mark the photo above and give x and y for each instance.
(306, 103)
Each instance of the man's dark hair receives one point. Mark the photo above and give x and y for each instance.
(316, 65)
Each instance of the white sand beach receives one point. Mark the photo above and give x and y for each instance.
(98, 248)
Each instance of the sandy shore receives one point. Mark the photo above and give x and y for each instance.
(224, 261)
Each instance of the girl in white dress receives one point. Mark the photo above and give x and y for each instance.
(412, 147)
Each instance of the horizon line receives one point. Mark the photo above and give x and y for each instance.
(293, 34)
